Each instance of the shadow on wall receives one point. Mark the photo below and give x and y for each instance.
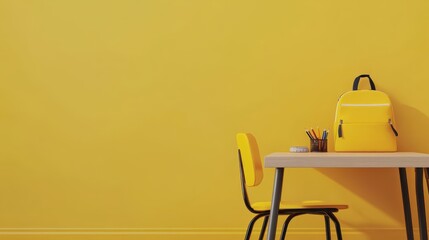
(381, 187)
(414, 128)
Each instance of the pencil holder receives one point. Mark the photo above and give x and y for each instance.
(318, 145)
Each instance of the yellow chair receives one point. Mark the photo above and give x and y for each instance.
(251, 174)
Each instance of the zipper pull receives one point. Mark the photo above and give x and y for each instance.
(393, 128)
(340, 129)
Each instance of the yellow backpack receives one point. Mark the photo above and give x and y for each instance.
(364, 121)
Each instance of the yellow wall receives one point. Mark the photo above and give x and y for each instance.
(119, 117)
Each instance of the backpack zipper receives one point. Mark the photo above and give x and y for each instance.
(393, 128)
(365, 104)
(340, 129)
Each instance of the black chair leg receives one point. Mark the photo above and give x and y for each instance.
(327, 227)
(337, 225)
(250, 227)
(286, 224)
(264, 226)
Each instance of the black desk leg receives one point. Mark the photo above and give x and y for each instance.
(421, 204)
(277, 194)
(427, 177)
(406, 203)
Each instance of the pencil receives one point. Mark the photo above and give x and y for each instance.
(309, 135)
(315, 135)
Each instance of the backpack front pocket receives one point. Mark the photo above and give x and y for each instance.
(368, 136)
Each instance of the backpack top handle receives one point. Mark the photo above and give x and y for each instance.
(356, 82)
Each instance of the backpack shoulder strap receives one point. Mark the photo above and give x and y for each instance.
(357, 79)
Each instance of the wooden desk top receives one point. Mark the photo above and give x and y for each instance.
(346, 160)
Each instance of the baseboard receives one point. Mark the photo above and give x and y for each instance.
(187, 233)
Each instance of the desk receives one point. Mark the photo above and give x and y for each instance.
(400, 160)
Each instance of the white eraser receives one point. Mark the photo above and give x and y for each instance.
(298, 149)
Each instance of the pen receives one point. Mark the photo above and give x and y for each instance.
(324, 134)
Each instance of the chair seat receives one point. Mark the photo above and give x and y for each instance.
(266, 206)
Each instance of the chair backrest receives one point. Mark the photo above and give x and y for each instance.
(250, 159)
